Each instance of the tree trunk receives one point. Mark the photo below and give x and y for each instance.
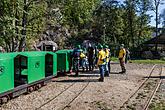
(22, 45)
(156, 43)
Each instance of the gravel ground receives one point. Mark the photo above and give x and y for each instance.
(110, 94)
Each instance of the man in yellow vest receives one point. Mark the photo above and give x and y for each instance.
(101, 62)
(122, 54)
(107, 66)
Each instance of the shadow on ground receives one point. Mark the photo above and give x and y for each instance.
(115, 73)
(156, 77)
(77, 80)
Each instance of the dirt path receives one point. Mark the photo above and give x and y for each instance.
(107, 95)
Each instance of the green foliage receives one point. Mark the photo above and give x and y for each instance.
(26, 20)
(13, 16)
(78, 12)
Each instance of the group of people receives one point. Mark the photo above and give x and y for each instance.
(98, 57)
(84, 57)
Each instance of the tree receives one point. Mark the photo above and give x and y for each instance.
(18, 20)
(163, 18)
(143, 6)
(109, 14)
(130, 21)
(155, 7)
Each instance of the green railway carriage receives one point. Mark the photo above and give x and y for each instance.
(37, 65)
(7, 72)
(64, 60)
(22, 72)
(29, 67)
(18, 71)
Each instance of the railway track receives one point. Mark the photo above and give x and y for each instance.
(149, 99)
(55, 96)
(154, 91)
(76, 96)
(58, 95)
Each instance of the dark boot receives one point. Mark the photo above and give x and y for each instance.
(90, 68)
(83, 69)
(76, 73)
(101, 79)
(86, 69)
(106, 74)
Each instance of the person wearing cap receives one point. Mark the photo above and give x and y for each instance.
(101, 62)
(122, 54)
(76, 59)
(107, 66)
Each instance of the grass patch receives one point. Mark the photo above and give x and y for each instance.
(161, 61)
(148, 61)
(114, 59)
(157, 106)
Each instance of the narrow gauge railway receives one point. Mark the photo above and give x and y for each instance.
(144, 83)
(24, 72)
(147, 104)
(55, 96)
(76, 96)
(65, 90)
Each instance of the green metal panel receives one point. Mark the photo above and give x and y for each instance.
(6, 71)
(70, 52)
(36, 65)
(69, 57)
(36, 68)
(54, 62)
(62, 61)
(62, 58)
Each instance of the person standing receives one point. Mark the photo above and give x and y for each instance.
(91, 57)
(101, 62)
(122, 54)
(127, 55)
(95, 55)
(107, 66)
(83, 61)
(76, 59)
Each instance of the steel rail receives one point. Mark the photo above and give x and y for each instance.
(141, 85)
(62, 93)
(76, 96)
(55, 96)
(154, 91)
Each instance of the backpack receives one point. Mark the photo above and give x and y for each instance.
(76, 54)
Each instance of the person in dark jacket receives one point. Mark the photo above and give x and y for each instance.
(91, 57)
(96, 51)
(76, 59)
